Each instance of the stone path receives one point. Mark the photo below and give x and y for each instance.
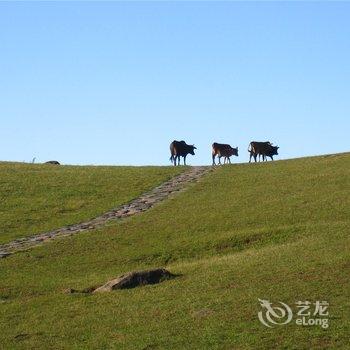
(136, 206)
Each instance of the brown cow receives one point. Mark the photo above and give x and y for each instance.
(180, 149)
(223, 150)
(264, 149)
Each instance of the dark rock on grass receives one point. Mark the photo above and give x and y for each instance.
(127, 281)
(53, 162)
(135, 279)
(22, 336)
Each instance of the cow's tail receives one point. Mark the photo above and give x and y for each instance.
(172, 153)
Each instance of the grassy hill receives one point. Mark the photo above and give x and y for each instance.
(37, 198)
(277, 231)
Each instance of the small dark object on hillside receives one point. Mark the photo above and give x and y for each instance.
(135, 279)
(54, 162)
(128, 280)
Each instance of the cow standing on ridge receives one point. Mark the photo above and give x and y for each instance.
(264, 149)
(223, 150)
(180, 149)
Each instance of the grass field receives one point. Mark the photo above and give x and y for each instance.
(276, 231)
(37, 198)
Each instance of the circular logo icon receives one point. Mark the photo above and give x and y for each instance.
(274, 315)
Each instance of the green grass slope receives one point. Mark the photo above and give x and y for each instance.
(276, 231)
(36, 198)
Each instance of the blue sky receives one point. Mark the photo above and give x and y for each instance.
(116, 82)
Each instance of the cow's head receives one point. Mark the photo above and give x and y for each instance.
(191, 149)
(274, 150)
(235, 151)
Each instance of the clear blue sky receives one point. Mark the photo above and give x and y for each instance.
(115, 83)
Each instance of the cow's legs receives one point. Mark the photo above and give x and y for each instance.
(214, 159)
(254, 155)
(184, 160)
(229, 160)
(220, 160)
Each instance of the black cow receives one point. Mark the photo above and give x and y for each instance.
(180, 149)
(223, 150)
(271, 152)
(264, 149)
